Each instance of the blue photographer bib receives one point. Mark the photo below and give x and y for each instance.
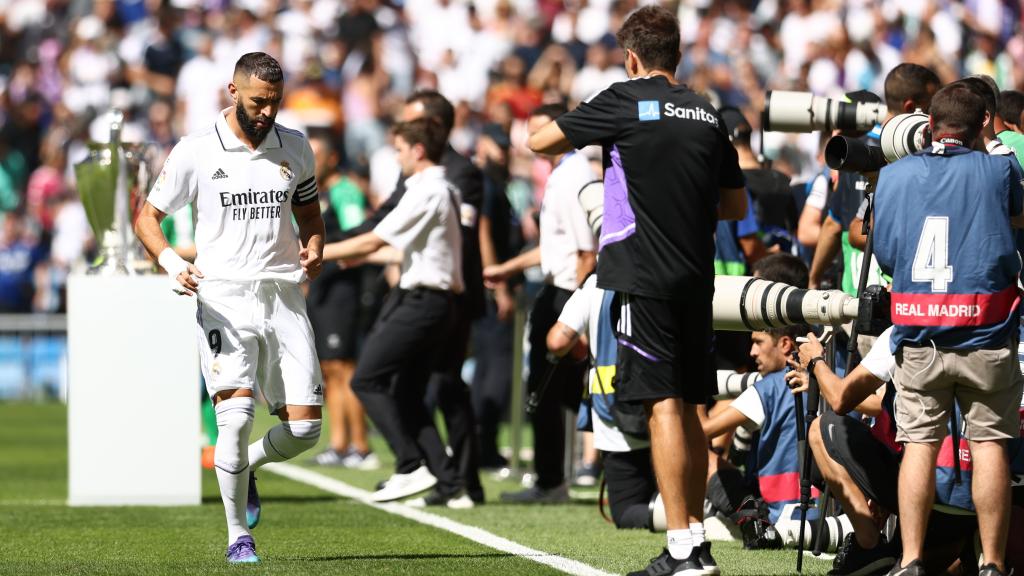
(942, 230)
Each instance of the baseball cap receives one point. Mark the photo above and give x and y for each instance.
(863, 97)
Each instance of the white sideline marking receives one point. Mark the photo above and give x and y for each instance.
(473, 533)
(37, 502)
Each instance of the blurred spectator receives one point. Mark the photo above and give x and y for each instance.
(598, 73)
(199, 91)
(13, 173)
(20, 253)
(165, 55)
(493, 333)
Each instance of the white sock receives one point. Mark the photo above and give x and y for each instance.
(284, 441)
(680, 543)
(697, 533)
(231, 460)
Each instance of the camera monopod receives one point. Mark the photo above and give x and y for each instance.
(865, 271)
(804, 455)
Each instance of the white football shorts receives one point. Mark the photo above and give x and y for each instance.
(256, 334)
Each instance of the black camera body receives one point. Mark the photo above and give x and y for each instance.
(874, 311)
(901, 136)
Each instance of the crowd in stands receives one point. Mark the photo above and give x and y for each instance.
(349, 67)
(350, 63)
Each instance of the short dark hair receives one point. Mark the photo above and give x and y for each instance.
(435, 106)
(428, 132)
(553, 110)
(910, 82)
(1011, 104)
(652, 33)
(958, 111)
(782, 267)
(979, 86)
(794, 331)
(260, 65)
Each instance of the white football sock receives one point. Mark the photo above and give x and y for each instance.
(231, 460)
(284, 441)
(680, 543)
(697, 533)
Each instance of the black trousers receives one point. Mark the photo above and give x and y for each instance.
(492, 380)
(563, 392)
(392, 374)
(449, 392)
(631, 485)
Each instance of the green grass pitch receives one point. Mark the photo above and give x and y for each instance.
(304, 530)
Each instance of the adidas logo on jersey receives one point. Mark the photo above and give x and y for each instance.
(319, 391)
(219, 174)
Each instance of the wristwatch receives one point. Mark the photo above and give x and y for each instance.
(813, 362)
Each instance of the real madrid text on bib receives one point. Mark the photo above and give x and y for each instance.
(244, 197)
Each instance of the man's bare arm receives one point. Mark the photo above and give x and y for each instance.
(828, 247)
(725, 421)
(586, 262)
(732, 203)
(501, 272)
(311, 233)
(549, 140)
(356, 247)
(147, 229)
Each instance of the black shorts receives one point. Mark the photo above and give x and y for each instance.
(873, 467)
(334, 312)
(665, 348)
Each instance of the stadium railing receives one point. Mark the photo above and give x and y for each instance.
(33, 357)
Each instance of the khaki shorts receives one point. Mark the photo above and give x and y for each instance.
(986, 383)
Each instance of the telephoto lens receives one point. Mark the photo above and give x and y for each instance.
(591, 198)
(731, 384)
(744, 304)
(905, 134)
(853, 155)
(786, 111)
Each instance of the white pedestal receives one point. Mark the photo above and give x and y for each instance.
(133, 397)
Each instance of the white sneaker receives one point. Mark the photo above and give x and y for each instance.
(403, 485)
(357, 461)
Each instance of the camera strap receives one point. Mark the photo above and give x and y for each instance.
(940, 143)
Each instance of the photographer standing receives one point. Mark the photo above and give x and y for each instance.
(943, 232)
(908, 87)
(669, 173)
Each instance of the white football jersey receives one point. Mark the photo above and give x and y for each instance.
(243, 198)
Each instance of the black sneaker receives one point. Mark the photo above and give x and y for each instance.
(707, 561)
(537, 495)
(915, 568)
(457, 501)
(852, 560)
(992, 570)
(666, 565)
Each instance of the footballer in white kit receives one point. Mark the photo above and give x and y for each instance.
(247, 177)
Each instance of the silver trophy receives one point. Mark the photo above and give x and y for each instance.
(113, 180)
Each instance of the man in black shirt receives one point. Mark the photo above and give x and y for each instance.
(670, 173)
(447, 388)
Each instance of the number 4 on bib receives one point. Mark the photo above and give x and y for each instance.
(931, 261)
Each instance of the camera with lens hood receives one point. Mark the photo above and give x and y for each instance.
(786, 111)
(900, 136)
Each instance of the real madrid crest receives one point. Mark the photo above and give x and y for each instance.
(286, 172)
